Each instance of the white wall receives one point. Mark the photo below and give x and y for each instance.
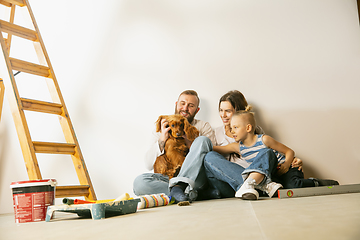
(121, 64)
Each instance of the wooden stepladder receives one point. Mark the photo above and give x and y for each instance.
(19, 105)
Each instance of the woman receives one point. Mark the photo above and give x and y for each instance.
(224, 172)
(229, 103)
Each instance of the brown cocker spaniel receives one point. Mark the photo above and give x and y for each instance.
(176, 149)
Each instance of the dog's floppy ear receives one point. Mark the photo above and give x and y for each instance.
(158, 122)
(190, 131)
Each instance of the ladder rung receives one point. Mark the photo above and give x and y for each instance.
(28, 67)
(54, 148)
(9, 2)
(40, 106)
(71, 191)
(5, 3)
(18, 30)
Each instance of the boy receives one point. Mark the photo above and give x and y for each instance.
(258, 150)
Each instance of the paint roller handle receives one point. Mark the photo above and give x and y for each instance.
(79, 201)
(69, 201)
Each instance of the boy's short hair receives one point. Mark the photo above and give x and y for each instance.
(248, 115)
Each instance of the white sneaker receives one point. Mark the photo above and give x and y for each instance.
(247, 190)
(270, 188)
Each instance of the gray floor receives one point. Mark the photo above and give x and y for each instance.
(321, 217)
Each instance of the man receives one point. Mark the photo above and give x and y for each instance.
(192, 174)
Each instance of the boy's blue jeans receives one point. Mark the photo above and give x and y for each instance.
(192, 172)
(264, 163)
(223, 173)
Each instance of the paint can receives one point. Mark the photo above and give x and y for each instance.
(31, 199)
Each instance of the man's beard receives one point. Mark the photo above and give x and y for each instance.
(190, 118)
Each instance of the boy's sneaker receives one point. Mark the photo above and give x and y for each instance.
(270, 188)
(247, 190)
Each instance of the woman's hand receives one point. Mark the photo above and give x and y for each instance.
(283, 168)
(297, 163)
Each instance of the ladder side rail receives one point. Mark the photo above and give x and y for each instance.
(12, 17)
(2, 92)
(65, 122)
(21, 125)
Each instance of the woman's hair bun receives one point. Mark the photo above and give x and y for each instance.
(248, 108)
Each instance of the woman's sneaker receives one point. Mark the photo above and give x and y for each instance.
(324, 182)
(270, 188)
(247, 190)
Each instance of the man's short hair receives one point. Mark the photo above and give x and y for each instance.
(191, 92)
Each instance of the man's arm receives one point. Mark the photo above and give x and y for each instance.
(153, 152)
(164, 134)
(157, 145)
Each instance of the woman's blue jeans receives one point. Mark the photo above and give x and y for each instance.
(223, 175)
(294, 178)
